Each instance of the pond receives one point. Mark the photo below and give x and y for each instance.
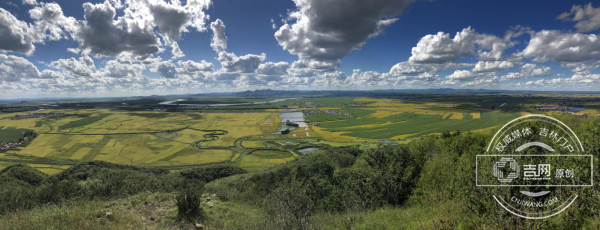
(574, 110)
(308, 150)
(292, 116)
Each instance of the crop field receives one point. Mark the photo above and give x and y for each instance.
(414, 123)
(247, 135)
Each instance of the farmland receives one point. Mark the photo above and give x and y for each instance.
(143, 133)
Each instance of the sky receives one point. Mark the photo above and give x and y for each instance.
(156, 47)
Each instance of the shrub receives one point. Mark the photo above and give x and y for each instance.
(188, 202)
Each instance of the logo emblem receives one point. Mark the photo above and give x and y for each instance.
(506, 170)
(534, 167)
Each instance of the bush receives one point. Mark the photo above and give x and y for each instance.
(209, 174)
(290, 207)
(188, 202)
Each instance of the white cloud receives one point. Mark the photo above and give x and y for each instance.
(587, 17)
(529, 70)
(13, 68)
(492, 66)
(51, 23)
(84, 67)
(272, 71)
(121, 69)
(192, 66)
(240, 64)
(326, 31)
(15, 35)
(440, 48)
(30, 2)
(166, 69)
(230, 62)
(100, 34)
(553, 45)
(219, 40)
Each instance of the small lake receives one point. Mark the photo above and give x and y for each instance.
(308, 150)
(292, 116)
(574, 110)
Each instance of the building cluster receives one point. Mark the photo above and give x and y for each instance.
(38, 115)
(8, 145)
(328, 111)
(546, 108)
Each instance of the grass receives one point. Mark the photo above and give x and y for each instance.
(130, 213)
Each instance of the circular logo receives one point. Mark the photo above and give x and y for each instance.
(534, 166)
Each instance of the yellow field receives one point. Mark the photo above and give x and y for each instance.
(237, 125)
(80, 153)
(381, 114)
(476, 115)
(456, 116)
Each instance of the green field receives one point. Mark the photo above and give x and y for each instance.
(83, 121)
(11, 133)
(409, 123)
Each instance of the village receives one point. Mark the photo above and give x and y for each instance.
(327, 111)
(27, 137)
(9, 145)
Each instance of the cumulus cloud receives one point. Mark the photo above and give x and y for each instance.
(240, 64)
(557, 46)
(82, 67)
(219, 40)
(230, 62)
(327, 31)
(272, 71)
(440, 48)
(176, 51)
(192, 66)
(587, 17)
(166, 69)
(492, 66)
(173, 18)
(15, 35)
(50, 22)
(13, 68)
(100, 34)
(529, 70)
(121, 69)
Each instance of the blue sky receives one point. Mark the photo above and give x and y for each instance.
(311, 44)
